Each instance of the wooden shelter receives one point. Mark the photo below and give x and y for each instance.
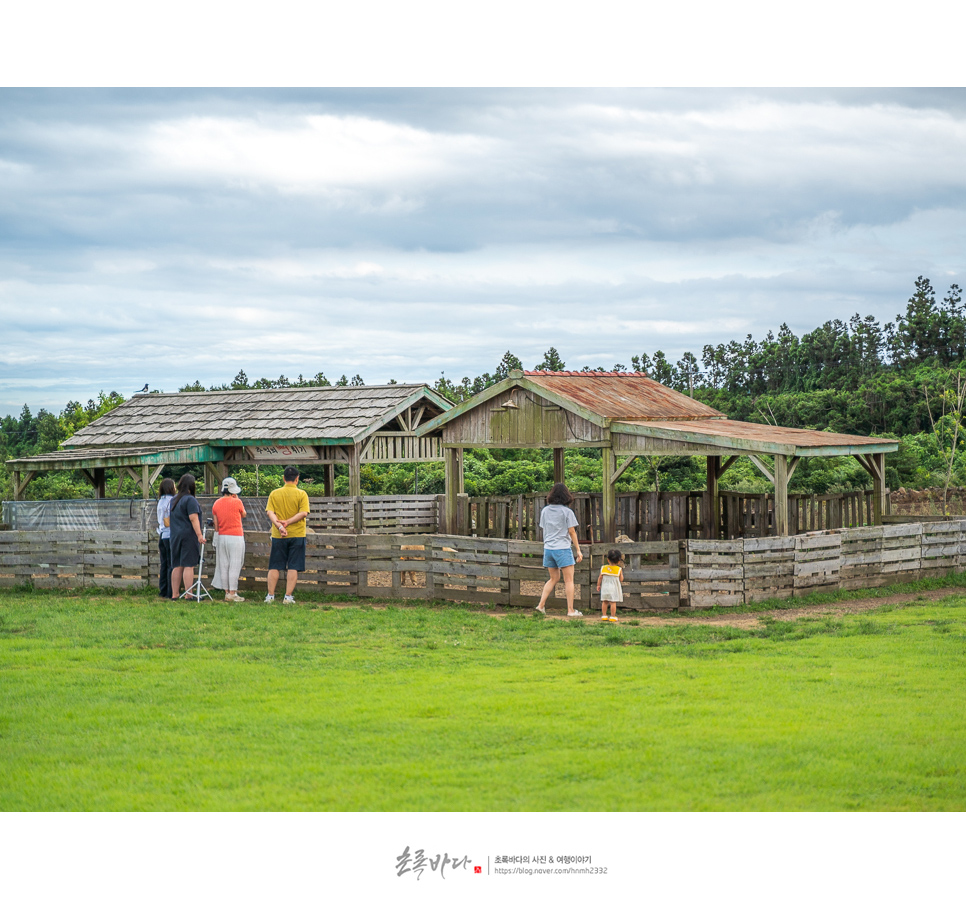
(300, 425)
(630, 415)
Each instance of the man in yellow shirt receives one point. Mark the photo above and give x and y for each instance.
(287, 509)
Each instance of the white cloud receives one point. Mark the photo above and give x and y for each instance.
(313, 154)
(400, 239)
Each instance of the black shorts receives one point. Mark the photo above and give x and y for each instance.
(185, 550)
(288, 553)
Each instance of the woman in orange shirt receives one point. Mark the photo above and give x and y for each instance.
(227, 513)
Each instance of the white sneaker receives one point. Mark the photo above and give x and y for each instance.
(575, 613)
(288, 599)
(269, 598)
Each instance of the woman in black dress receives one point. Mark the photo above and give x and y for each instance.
(186, 536)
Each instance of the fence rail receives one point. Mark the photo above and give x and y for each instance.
(640, 516)
(658, 575)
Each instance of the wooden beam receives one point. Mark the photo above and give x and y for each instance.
(726, 464)
(145, 481)
(712, 524)
(123, 471)
(877, 462)
(781, 495)
(620, 470)
(866, 464)
(100, 483)
(558, 465)
(608, 509)
(211, 474)
(20, 483)
(763, 466)
(355, 470)
(329, 486)
(451, 479)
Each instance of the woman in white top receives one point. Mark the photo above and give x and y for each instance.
(559, 526)
(166, 493)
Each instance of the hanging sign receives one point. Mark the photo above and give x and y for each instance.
(281, 453)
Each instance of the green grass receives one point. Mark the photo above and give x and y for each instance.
(130, 703)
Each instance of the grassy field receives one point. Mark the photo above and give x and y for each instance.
(130, 703)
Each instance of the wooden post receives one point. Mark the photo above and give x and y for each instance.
(355, 471)
(17, 487)
(781, 495)
(450, 465)
(100, 482)
(608, 510)
(329, 481)
(877, 463)
(558, 464)
(209, 479)
(459, 469)
(145, 481)
(712, 524)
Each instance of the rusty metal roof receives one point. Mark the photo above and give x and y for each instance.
(750, 436)
(627, 396)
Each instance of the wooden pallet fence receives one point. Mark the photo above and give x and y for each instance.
(818, 560)
(74, 558)
(331, 515)
(716, 573)
(862, 558)
(394, 566)
(469, 569)
(902, 551)
(118, 559)
(399, 514)
(48, 559)
(769, 568)
(527, 576)
(330, 564)
(942, 548)
(652, 574)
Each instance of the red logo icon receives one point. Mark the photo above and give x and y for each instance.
(478, 870)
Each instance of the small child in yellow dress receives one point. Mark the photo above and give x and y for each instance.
(609, 586)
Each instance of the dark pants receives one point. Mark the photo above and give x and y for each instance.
(164, 567)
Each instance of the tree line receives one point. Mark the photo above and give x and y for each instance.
(860, 376)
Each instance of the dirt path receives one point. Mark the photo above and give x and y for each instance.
(751, 620)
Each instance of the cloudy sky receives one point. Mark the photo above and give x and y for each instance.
(163, 236)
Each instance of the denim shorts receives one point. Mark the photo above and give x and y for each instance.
(558, 558)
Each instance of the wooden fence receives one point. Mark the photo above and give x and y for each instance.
(640, 516)
(728, 572)
(651, 516)
(364, 565)
(658, 575)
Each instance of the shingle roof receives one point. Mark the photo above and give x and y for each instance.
(280, 416)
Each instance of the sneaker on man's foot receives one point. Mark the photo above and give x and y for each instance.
(288, 599)
(269, 598)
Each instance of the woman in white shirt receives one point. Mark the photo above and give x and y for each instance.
(166, 496)
(559, 526)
